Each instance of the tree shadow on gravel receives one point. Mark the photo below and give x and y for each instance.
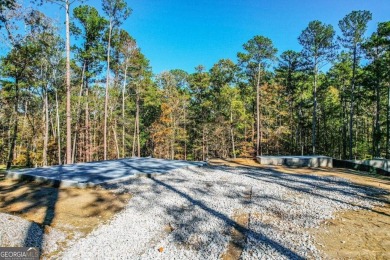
(25, 197)
(305, 179)
(231, 223)
(198, 196)
(55, 213)
(296, 181)
(379, 178)
(35, 233)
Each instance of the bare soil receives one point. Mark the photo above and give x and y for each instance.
(362, 234)
(237, 242)
(359, 234)
(68, 209)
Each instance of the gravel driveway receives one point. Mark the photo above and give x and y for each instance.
(202, 213)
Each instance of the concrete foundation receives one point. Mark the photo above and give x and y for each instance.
(297, 161)
(95, 173)
(383, 164)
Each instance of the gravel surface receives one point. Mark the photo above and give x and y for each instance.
(194, 214)
(18, 232)
(190, 214)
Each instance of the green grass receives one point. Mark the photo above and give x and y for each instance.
(2, 172)
(14, 167)
(2, 168)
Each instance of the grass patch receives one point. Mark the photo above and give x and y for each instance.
(3, 168)
(14, 167)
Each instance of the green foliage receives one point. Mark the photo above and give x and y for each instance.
(91, 52)
(181, 115)
(259, 51)
(317, 41)
(4, 6)
(353, 26)
(116, 10)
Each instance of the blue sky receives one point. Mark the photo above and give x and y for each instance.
(183, 34)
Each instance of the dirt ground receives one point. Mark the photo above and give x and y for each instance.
(362, 234)
(359, 234)
(71, 210)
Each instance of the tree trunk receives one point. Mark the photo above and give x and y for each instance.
(293, 142)
(46, 133)
(258, 111)
(15, 130)
(344, 127)
(106, 96)
(22, 131)
(377, 132)
(58, 131)
(313, 144)
(116, 140)
(78, 113)
(68, 93)
(137, 119)
(173, 137)
(388, 123)
(185, 135)
(203, 145)
(123, 112)
(253, 129)
(301, 140)
(351, 112)
(134, 137)
(325, 131)
(87, 132)
(232, 133)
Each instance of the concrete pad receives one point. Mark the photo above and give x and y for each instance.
(95, 173)
(383, 164)
(297, 161)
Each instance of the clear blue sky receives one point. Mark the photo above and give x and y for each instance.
(183, 34)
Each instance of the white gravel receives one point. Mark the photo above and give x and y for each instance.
(18, 232)
(198, 206)
(190, 213)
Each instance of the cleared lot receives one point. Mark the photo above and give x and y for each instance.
(224, 212)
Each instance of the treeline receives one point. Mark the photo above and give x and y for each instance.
(96, 97)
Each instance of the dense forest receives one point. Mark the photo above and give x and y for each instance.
(90, 94)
